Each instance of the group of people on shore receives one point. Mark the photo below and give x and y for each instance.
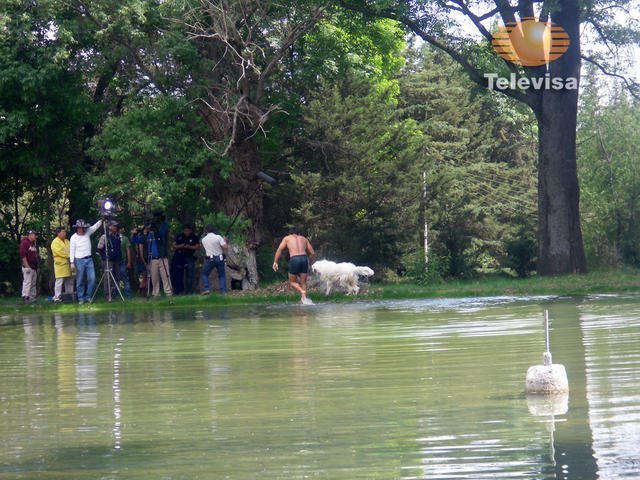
(142, 257)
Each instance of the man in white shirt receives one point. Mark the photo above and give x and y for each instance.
(81, 261)
(215, 248)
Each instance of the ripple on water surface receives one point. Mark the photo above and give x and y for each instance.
(392, 389)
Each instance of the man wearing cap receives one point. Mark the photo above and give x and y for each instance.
(61, 267)
(29, 262)
(81, 261)
(109, 247)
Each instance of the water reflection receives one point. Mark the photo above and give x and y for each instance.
(609, 328)
(363, 390)
(117, 408)
(86, 361)
(549, 406)
(574, 455)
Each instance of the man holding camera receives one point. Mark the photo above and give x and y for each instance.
(154, 255)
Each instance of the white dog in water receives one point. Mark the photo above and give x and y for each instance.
(344, 274)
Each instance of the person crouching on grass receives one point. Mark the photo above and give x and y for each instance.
(300, 250)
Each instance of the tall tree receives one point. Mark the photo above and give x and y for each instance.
(43, 107)
(244, 42)
(480, 163)
(152, 156)
(560, 238)
(359, 179)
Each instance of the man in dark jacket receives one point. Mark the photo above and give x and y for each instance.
(183, 261)
(29, 262)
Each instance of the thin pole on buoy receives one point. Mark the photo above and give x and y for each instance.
(549, 377)
(546, 356)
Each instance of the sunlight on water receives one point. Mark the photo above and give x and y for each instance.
(372, 390)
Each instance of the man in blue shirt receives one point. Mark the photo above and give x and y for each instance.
(155, 258)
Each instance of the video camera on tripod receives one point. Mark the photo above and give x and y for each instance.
(107, 210)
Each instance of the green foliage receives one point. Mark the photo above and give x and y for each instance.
(153, 156)
(421, 273)
(608, 155)
(43, 109)
(345, 43)
(521, 247)
(358, 182)
(479, 157)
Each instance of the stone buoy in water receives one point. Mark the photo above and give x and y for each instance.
(549, 377)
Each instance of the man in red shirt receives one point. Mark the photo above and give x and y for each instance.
(29, 262)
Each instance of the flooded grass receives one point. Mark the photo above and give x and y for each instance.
(602, 281)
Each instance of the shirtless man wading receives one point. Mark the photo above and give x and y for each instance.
(299, 247)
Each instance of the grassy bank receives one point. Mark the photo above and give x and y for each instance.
(610, 281)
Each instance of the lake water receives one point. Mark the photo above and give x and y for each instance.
(417, 389)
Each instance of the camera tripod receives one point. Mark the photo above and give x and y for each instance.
(107, 274)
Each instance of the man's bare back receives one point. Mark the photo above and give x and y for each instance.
(299, 247)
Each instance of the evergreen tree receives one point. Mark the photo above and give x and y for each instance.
(609, 173)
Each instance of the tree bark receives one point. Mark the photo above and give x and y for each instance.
(241, 197)
(560, 249)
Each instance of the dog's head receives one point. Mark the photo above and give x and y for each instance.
(364, 271)
(322, 266)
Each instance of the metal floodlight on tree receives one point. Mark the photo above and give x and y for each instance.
(107, 207)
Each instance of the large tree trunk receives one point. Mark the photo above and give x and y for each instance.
(243, 195)
(560, 238)
(243, 198)
(240, 196)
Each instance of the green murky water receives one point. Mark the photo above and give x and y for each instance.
(389, 390)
